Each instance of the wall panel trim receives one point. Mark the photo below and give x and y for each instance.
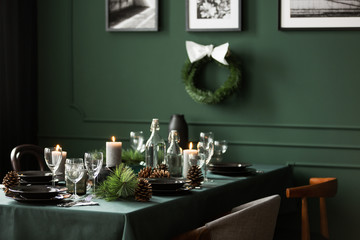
(227, 124)
(251, 144)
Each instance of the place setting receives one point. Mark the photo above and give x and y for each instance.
(42, 187)
(38, 194)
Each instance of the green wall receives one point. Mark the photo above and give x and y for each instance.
(297, 104)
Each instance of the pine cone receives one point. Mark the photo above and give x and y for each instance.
(160, 174)
(11, 179)
(145, 172)
(162, 167)
(143, 192)
(195, 175)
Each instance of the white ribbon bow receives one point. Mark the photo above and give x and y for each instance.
(196, 51)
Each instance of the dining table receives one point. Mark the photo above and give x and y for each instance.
(163, 217)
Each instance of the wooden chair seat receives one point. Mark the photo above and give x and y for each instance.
(321, 188)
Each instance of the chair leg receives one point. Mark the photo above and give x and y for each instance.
(324, 230)
(305, 228)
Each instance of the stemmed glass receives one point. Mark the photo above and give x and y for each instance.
(93, 164)
(74, 171)
(206, 137)
(137, 141)
(53, 157)
(205, 152)
(220, 148)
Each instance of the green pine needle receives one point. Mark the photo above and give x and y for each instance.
(132, 157)
(120, 184)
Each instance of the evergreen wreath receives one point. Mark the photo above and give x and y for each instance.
(190, 73)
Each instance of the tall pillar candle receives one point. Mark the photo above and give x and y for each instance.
(188, 154)
(60, 172)
(113, 153)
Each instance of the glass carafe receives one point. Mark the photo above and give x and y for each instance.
(174, 155)
(155, 147)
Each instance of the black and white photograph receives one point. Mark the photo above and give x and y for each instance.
(213, 15)
(132, 15)
(319, 14)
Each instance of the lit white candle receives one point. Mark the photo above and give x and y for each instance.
(188, 154)
(56, 156)
(113, 153)
(61, 169)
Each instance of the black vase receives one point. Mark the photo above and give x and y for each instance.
(178, 123)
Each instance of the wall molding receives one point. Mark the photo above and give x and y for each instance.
(235, 143)
(224, 124)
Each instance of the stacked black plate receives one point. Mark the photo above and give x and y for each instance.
(232, 169)
(168, 186)
(38, 193)
(35, 177)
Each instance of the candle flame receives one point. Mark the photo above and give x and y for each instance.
(113, 138)
(57, 147)
(190, 145)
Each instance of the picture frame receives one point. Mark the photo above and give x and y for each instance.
(319, 15)
(213, 15)
(131, 15)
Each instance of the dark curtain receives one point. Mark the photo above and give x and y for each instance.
(18, 77)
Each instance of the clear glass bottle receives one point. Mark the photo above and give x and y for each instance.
(174, 155)
(155, 147)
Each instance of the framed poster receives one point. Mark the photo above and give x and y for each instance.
(131, 15)
(213, 15)
(319, 14)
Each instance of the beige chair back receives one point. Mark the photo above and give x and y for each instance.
(255, 220)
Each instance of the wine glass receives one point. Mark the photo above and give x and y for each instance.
(137, 141)
(206, 137)
(93, 164)
(74, 171)
(220, 148)
(205, 152)
(53, 157)
(197, 159)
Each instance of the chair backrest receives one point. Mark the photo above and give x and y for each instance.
(318, 188)
(18, 153)
(255, 220)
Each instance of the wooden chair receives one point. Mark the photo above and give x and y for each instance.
(19, 153)
(319, 188)
(251, 221)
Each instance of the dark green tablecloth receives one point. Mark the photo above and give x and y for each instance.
(161, 218)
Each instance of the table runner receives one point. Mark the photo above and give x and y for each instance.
(161, 218)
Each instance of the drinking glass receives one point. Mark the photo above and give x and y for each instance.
(93, 164)
(206, 137)
(53, 157)
(137, 141)
(197, 159)
(74, 171)
(220, 148)
(205, 152)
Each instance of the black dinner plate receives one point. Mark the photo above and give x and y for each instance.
(229, 165)
(35, 176)
(38, 191)
(166, 183)
(244, 172)
(22, 182)
(54, 200)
